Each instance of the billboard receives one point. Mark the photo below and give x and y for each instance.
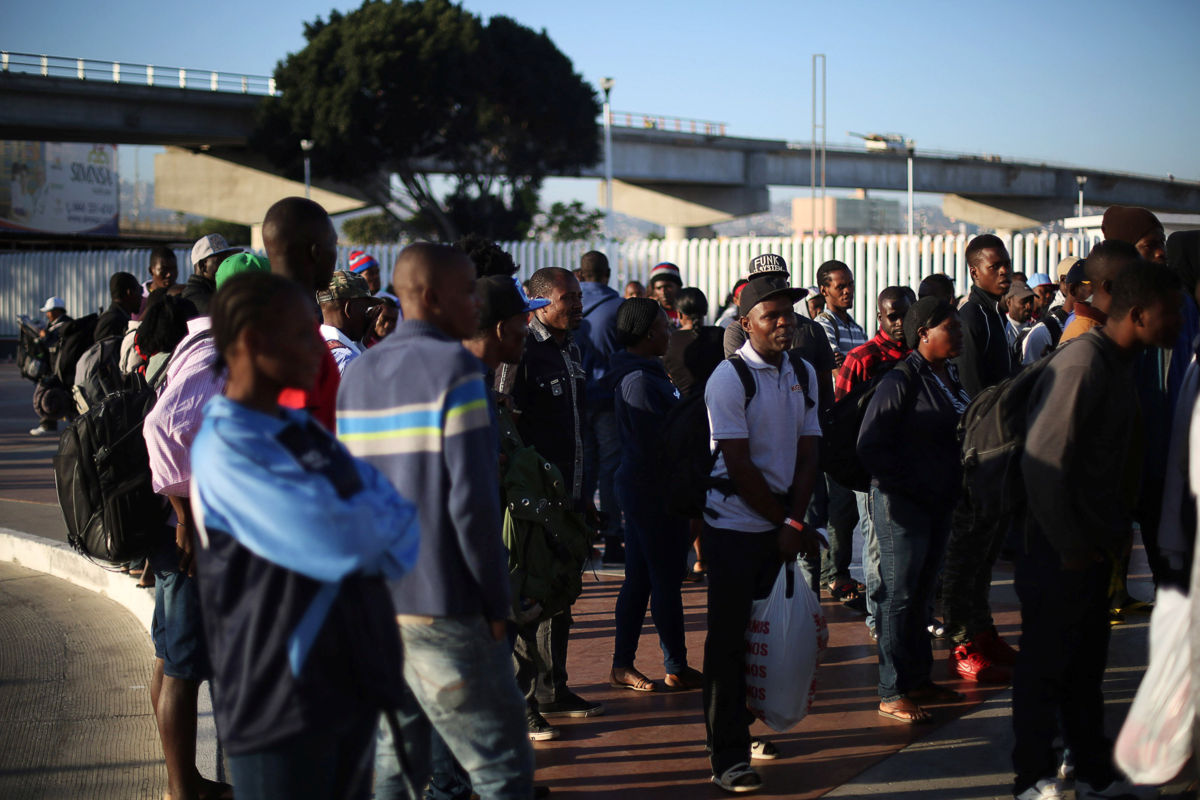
(58, 187)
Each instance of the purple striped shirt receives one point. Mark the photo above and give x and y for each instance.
(175, 419)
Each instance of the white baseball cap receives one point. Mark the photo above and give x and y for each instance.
(213, 244)
(53, 303)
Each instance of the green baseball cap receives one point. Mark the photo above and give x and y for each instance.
(239, 263)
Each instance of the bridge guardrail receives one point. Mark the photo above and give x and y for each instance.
(662, 122)
(87, 69)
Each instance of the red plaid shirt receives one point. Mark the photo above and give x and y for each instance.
(864, 361)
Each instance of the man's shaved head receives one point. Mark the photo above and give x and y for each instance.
(301, 242)
(436, 283)
(1107, 260)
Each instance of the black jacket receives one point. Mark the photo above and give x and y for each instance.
(113, 322)
(199, 290)
(909, 440)
(986, 358)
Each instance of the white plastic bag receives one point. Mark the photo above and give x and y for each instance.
(784, 641)
(1156, 738)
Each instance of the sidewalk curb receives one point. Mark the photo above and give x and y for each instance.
(58, 560)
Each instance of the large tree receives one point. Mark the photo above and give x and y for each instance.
(394, 93)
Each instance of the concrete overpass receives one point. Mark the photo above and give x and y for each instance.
(685, 181)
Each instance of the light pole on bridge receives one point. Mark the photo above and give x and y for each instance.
(307, 145)
(607, 84)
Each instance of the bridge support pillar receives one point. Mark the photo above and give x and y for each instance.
(687, 211)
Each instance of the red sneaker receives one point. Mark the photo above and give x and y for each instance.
(991, 645)
(972, 665)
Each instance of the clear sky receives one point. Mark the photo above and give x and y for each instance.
(1104, 84)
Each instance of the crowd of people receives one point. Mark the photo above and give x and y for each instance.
(381, 497)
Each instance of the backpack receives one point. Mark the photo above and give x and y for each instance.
(687, 458)
(839, 456)
(76, 337)
(98, 373)
(992, 431)
(548, 542)
(33, 357)
(102, 473)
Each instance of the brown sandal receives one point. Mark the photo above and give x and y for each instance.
(904, 710)
(633, 680)
(685, 681)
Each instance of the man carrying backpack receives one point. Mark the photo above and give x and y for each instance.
(1044, 336)
(977, 653)
(49, 400)
(763, 478)
(1081, 470)
(862, 365)
(126, 295)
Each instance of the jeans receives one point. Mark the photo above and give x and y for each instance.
(1060, 666)
(975, 542)
(843, 516)
(742, 568)
(177, 627)
(656, 547)
(602, 456)
(540, 652)
(317, 764)
(870, 555)
(459, 682)
(912, 540)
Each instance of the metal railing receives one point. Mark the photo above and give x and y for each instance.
(633, 119)
(87, 69)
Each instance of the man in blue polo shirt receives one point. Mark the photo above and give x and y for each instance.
(764, 475)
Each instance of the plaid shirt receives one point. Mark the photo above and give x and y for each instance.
(864, 361)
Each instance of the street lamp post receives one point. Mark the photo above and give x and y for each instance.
(1081, 180)
(307, 145)
(910, 145)
(607, 84)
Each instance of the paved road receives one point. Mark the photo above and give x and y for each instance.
(27, 498)
(75, 719)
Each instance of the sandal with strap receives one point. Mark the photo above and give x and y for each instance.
(904, 710)
(844, 590)
(633, 680)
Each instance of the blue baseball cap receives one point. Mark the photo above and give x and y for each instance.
(503, 297)
(1039, 279)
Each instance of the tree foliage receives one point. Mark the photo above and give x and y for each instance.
(234, 232)
(569, 222)
(372, 229)
(394, 92)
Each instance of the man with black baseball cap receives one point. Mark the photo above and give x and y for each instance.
(766, 467)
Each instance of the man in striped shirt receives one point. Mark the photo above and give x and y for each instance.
(844, 334)
(416, 407)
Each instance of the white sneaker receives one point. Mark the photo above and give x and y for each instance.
(1045, 789)
(763, 750)
(1117, 790)
(1066, 770)
(738, 779)
(40, 431)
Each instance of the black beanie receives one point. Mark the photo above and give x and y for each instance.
(634, 318)
(928, 312)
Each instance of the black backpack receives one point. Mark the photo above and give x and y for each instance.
(33, 357)
(992, 431)
(688, 461)
(74, 340)
(102, 474)
(839, 455)
(98, 373)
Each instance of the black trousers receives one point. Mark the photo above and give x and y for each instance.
(742, 568)
(1060, 669)
(540, 652)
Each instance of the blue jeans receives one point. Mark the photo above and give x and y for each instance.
(656, 546)
(177, 628)
(870, 555)
(912, 542)
(316, 764)
(460, 682)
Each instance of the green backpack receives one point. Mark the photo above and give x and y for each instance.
(548, 543)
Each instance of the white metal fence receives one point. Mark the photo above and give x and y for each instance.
(713, 265)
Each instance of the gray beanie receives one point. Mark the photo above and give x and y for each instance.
(634, 318)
